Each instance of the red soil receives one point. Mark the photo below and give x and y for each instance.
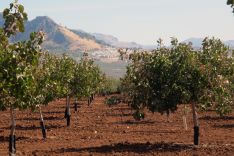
(102, 130)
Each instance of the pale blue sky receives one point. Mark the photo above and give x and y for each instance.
(142, 21)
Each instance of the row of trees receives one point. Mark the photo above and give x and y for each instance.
(162, 79)
(30, 77)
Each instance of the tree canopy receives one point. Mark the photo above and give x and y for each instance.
(231, 3)
(161, 79)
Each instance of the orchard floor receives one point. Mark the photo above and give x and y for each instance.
(102, 130)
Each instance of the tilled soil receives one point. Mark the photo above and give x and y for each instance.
(102, 130)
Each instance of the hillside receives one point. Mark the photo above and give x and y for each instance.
(114, 42)
(58, 37)
(63, 39)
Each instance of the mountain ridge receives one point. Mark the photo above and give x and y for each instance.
(57, 36)
(63, 39)
(114, 41)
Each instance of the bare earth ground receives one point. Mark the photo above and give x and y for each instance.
(102, 130)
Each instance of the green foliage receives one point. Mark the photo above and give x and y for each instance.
(217, 66)
(87, 78)
(161, 79)
(14, 19)
(63, 75)
(113, 100)
(17, 61)
(30, 77)
(44, 82)
(138, 115)
(109, 85)
(231, 2)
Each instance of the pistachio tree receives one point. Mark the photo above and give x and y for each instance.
(86, 81)
(162, 79)
(45, 85)
(63, 75)
(17, 63)
(217, 65)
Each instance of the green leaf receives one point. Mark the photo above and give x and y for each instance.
(21, 8)
(21, 26)
(25, 16)
(6, 12)
(32, 36)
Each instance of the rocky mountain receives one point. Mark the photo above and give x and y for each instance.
(58, 37)
(114, 42)
(86, 35)
(62, 38)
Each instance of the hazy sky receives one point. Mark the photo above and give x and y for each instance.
(142, 21)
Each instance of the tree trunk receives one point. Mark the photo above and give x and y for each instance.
(89, 101)
(68, 113)
(168, 116)
(185, 112)
(92, 97)
(43, 129)
(76, 104)
(12, 140)
(196, 126)
(185, 122)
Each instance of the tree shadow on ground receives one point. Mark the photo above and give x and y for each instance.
(6, 139)
(226, 126)
(72, 107)
(53, 118)
(45, 118)
(53, 112)
(131, 147)
(215, 118)
(33, 127)
(129, 122)
(120, 114)
(154, 132)
(120, 108)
